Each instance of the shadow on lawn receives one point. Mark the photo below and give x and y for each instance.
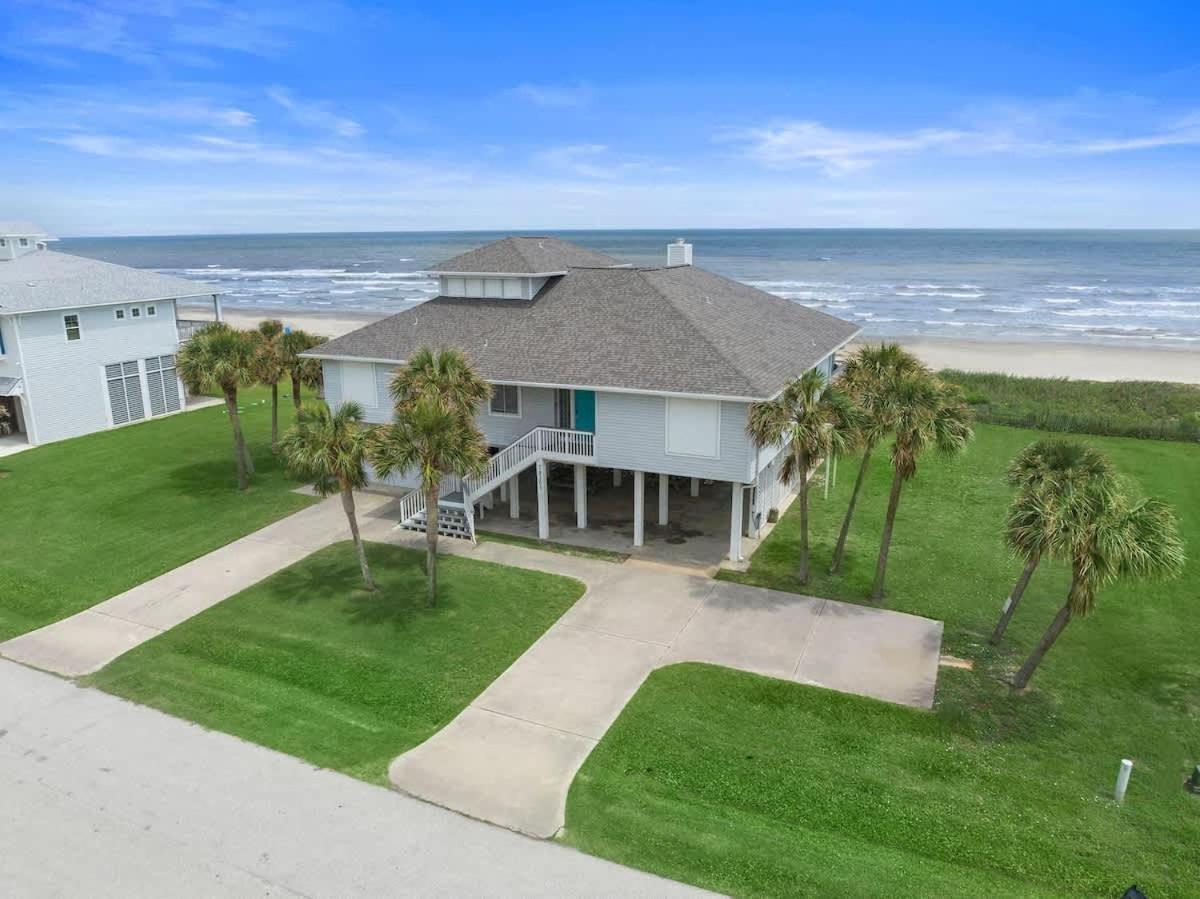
(332, 576)
(219, 475)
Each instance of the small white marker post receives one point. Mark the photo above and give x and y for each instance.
(1123, 780)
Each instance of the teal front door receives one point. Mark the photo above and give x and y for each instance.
(585, 410)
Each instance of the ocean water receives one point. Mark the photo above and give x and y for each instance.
(1119, 287)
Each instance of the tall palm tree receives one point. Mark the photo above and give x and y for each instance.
(434, 440)
(330, 448)
(929, 414)
(869, 377)
(302, 372)
(444, 374)
(810, 419)
(217, 356)
(1129, 539)
(1061, 485)
(269, 363)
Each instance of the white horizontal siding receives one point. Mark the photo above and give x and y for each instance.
(631, 432)
(537, 411)
(66, 394)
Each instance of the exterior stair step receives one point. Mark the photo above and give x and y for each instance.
(450, 522)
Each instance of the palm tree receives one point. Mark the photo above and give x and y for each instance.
(868, 377)
(444, 374)
(433, 439)
(810, 419)
(303, 372)
(929, 413)
(330, 448)
(217, 356)
(1061, 485)
(1129, 539)
(269, 366)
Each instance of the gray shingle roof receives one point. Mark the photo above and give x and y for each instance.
(22, 229)
(48, 280)
(525, 256)
(678, 330)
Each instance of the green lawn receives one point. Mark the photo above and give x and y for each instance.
(309, 663)
(88, 518)
(758, 787)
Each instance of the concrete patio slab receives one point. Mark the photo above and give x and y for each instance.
(641, 603)
(874, 652)
(573, 679)
(500, 769)
(749, 628)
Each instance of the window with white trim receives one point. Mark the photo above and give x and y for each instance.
(3, 242)
(119, 314)
(163, 385)
(124, 392)
(506, 400)
(151, 312)
(24, 241)
(135, 311)
(71, 327)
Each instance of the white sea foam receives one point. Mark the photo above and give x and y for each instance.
(1012, 309)
(1063, 300)
(942, 294)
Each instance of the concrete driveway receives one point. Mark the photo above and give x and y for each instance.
(510, 756)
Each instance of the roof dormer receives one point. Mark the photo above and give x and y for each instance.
(489, 287)
(19, 238)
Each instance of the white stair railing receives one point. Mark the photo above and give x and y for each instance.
(558, 443)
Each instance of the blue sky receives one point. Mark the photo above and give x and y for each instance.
(208, 116)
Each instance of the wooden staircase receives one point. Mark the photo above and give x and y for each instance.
(452, 522)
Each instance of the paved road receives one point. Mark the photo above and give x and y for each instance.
(105, 798)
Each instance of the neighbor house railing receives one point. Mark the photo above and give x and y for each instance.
(188, 328)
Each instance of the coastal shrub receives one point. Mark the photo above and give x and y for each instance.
(1154, 410)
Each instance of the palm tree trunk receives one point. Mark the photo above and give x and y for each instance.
(296, 391)
(239, 442)
(348, 506)
(840, 550)
(1014, 598)
(249, 459)
(274, 415)
(1057, 626)
(802, 574)
(431, 540)
(885, 542)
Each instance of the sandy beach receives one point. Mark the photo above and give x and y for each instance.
(1100, 362)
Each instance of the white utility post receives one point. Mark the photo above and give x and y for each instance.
(828, 473)
(1123, 780)
(543, 501)
(581, 496)
(735, 525)
(664, 487)
(639, 508)
(514, 497)
(217, 308)
(616, 477)
(695, 487)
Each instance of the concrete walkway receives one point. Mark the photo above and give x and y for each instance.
(510, 756)
(89, 640)
(104, 798)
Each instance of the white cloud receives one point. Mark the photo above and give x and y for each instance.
(593, 161)
(552, 95)
(316, 115)
(1048, 131)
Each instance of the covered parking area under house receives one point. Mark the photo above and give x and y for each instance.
(678, 520)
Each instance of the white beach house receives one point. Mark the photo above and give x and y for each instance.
(601, 372)
(84, 345)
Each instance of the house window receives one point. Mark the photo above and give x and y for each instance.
(124, 392)
(163, 385)
(693, 427)
(512, 289)
(506, 400)
(359, 384)
(474, 287)
(3, 242)
(120, 314)
(135, 311)
(456, 287)
(151, 311)
(71, 326)
(24, 241)
(493, 287)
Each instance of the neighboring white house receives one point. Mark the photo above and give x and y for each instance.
(595, 363)
(84, 345)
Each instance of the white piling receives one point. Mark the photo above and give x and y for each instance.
(1123, 780)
